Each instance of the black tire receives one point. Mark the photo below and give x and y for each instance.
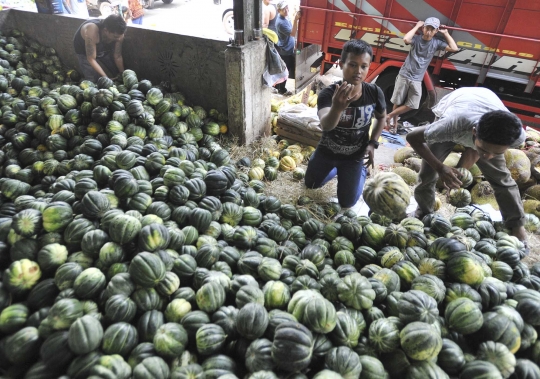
(228, 22)
(167, 1)
(106, 9)
(386, 82)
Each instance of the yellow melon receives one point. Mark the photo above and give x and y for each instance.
(518, 164)
(387, 194)
(287, 164)
(533, 193)
(405, 152)
(298, 158)
(407, 174)
(532, 206)
(414, 164)
(256, 173)
(482, 193)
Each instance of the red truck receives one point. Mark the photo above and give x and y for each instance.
(499, 43)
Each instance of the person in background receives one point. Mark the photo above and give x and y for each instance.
(286, 32)
(269, 15)
(408, 87)
(135, 12)
(475, 118)
(345, 110)
(77, 8)
(98, 45)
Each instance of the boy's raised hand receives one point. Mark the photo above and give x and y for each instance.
(342, 95)
(419, 24)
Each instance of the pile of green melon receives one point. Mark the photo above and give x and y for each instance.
(133, 246)
(475, 190)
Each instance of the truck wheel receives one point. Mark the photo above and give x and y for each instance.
(167, 1)
(106, 9)
(228, 22)
(386, 82)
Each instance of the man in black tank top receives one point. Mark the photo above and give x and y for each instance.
(98, 45)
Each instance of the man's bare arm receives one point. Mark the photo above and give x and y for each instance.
(452, 46)
(266, 16)
(468, 158)
(407, 38)
(118, 59)
(90, 37)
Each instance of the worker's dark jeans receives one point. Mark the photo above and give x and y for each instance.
(106, 62)
(290, 62)
(351, 175)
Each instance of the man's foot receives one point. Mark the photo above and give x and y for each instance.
(286, 93)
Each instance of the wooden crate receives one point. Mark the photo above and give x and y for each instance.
(303, 136)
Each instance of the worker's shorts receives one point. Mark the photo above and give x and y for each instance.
(106, 62)
(407, 92)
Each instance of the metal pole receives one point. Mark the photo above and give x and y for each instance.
(238, 14)
(257, 30)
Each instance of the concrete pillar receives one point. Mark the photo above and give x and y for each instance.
(248, 99)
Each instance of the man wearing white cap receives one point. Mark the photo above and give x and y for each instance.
(408, 87)
(286, 32)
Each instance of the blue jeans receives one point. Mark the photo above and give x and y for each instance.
(351, 176)
(137, 21)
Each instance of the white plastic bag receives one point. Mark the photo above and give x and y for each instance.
(300, 115)
(272, 80)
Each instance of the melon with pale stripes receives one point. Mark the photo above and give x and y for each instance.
(387, 194)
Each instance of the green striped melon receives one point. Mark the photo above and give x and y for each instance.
(387, 194)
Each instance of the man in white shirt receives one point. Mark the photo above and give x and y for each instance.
(478, 120)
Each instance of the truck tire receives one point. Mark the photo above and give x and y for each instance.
(386, 82)
(167, 1)
(228, 21)
(106, 9)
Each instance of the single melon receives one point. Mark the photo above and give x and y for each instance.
(532, 206)
(532, 223)
(533, 135)
(387, 194)
(529, 183)
(459, 197)
(452, 159)
(482, 193)
(476, 173)
(518, 164)
(533, 193)
(410, 176)
(405, 152)
(535, 166)
(530, 154)
(414, 164)
(466, 177)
